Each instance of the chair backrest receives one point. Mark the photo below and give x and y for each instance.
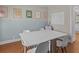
(26, 31)
(22, 35)
(21, 38)
(42, 29)
(64, 42)
(43, 47)
(49, 27)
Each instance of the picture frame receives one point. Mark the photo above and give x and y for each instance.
(17, 12)
(3, 11)
(28, 13)
(38, 14)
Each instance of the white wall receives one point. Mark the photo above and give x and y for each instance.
(68, 26)
(24, 8)
(72, 23)
(66, 10)
(10, 26)
(77, 21)
(77, 27)
(18, 25)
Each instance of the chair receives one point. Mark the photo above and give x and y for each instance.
(33, 50)
(26, 31)
(62, 43)
(43, 47)
(42, 29)
(29, 49)
(49, 27)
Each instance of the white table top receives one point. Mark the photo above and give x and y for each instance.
(37, 37)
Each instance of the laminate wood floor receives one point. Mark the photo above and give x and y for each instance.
(15, 47)
(74, 47)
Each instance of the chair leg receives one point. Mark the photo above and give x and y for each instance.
(25, 49)
(57, 49)
(62, 50)
(65, 49)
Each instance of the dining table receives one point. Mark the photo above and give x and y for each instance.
(37, 37)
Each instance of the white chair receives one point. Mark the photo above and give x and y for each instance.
(33, 50)
(48, 28)
(43, 47)
(42, 29)
(26, 31)
(28, 49)
(62, 43)
(24, 46)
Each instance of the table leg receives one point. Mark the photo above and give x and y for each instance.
(50, 47)
(53, 46)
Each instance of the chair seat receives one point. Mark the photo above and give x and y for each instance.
(62, 43)
(33, 50)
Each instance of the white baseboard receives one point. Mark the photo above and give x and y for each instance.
(9, 41)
